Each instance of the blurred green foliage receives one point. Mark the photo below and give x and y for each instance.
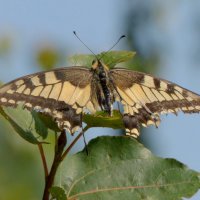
(20, 167)
(5, 45)
(21, 170)
(47, 57)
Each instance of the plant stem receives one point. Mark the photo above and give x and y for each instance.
(73, 142)
(61, 142)
(58, 158)
(44, 163)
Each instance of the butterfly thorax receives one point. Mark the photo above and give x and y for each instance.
(103, 90)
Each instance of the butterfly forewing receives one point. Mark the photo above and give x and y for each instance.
(144, 97)
(65, 93)
(61, 93)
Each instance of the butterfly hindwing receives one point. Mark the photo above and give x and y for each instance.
(65, 93)
(144, 97)
(60, 93)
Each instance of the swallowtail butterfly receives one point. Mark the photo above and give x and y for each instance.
(66, 93)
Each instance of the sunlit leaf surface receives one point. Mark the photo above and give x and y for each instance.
(25, 123)
(121, 168)
(110, 58)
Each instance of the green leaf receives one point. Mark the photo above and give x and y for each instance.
(58, 193)
(102, 119)
(122, 168)
(110, 58)
(24, 124)
(39, 125)
(46, 121)
(82, 60)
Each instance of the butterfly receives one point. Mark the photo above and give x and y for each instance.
(66, 93)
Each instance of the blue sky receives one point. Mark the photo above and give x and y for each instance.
(100, 23)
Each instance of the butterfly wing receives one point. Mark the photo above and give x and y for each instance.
(144, 97)
(61, 93)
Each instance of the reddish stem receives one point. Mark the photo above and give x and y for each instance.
(61, 142)
(58, 158)
(44, 163)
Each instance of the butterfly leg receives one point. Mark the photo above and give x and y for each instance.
(86, 147)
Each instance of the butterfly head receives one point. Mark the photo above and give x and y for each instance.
(97, 65)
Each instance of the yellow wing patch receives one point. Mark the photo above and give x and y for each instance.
(55, 93)
(144, 97)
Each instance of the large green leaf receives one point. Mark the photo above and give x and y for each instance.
(110, 58)
(121, 168)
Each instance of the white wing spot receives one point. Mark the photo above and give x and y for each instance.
(197, 107)
(11, 101)
(3, 100)
(28, 105)
(191, 108)
(75, 129)
(47, 110)
(66, 123)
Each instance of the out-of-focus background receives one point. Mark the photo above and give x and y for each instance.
(37, 35)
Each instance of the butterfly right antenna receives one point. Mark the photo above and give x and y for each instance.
(74, 32)
(123, 36)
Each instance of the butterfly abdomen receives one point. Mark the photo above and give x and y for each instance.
(106, 100)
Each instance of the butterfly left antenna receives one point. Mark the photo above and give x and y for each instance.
(74, 32)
